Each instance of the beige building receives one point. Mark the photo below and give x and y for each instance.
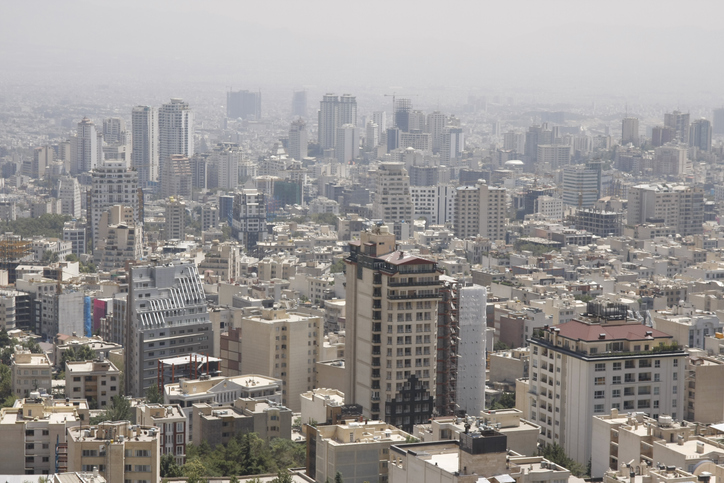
(359, 451)
(331, 374)
(122, 452)
(679, 206)
(221, 263)
(479, 456)
(97, 380)
(218, 390)
(622, 438)
(34, 430)
(391, 330)
(30, 372)
(522, 435)
(119, 238)
(704, 390)
(392, 202)
(175, 228)
(326, 406)
(282, 345)
(171, 423)
(480, 210)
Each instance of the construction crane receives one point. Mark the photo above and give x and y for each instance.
(394, 95)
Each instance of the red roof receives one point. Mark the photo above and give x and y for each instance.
(577, 330)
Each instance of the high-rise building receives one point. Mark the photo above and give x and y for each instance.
(392, 202)
(69, 196)
(86, 148)
(176, 177)
(700, 134)
(113, 184)
(346, 148)
(299, 104)
(145, 144)
(453, 144)
(166, 315)
(175, 131)
(554, 156)
(679, 122)
(514, 141)
(227, 157)
(244, 105)
(599, 361)
(436, 122)
(380, 118)
(273, 345)
(582, 185)
(347, 110)
(75, 233)
(328, 121)
(248, 217)
(435, 203)
(630, 131)
(678, 206)
(200, 170)
(114, 130)
(391, 327)
(298, 140)
(718, 118)
(43, 157)
(480, 210)
(372, 135)
(175, 220)
(470, 384)
(403, 108)
(417, 121)
(661, 135)
(118, 240)
(671, 159)
(599, 223)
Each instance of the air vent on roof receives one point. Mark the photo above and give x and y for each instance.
(601, 336)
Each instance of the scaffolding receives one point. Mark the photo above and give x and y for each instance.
(13, 248)
(447, 349)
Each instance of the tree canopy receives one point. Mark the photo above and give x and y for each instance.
(47, 225)
(81, 353)
(153, 395)
(120, 410)
(245, 454)
(554, 453)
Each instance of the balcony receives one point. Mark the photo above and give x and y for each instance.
(416, 296)
(412, 284)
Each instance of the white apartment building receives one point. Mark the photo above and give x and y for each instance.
(392, 202)
(75, 233)
(472, 301)
(69, 195)
(113, 184)
(679, 206)
(144, 139)
(549, 207)
(175, 131)
(298, 140)
(581, 367)
(283, 345)
(688, 326)
(118, 240)
(86, 147)
(581, 185)
(554, 156)
(434, 203)
(248, 221)
(228, 157)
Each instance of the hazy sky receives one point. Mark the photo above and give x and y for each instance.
(638, 50)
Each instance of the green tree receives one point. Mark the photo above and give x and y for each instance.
(284, 476)
(194, 471)
(500, 346)
(48, 225)
(49, 257)
(5, 339)
(153, 395)
(338, 478)
(169, 467)
(554, 453)
(120, 410)
(505, 401)
(80, 353)
(71, 257)
(337, 267)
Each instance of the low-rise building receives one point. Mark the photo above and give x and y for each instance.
(120, 451)
(171, 423)
(358, 451)
(522, 435)
(98, 381)
(34, 433)
(478, 456)
(30, 372)
(219, 423)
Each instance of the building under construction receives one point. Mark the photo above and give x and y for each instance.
(448, 330)
(13, 249)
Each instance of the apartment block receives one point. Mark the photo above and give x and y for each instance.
(119, 450)
(30, 372)
(171, 423)
(97, 380)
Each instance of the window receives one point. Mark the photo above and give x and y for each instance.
(656, 391)
(616, 393)
(179, 438)
(601, 366)
(657, 363)
(599, 394)
(600, 381)
(616, 380)
(598, 408)
(630, 365)
(676, 362)
(676, 376)
(616, 366)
